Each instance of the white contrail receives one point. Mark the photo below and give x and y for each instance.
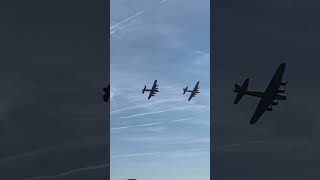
(150, 124)
(179, 120)
(154, 153)
(146, 105)
(114, 28)
(73, 171)
(141, 125)
(161, 111)
(122, 27)
(126, 20)
(227, 146)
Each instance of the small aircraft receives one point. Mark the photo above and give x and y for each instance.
(152, 91)
(194, 92)
(106, 95)
(270, 97)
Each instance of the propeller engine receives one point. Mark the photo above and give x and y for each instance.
(269, 108)
(283, 83)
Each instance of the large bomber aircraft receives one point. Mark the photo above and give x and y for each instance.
(152, 91)
(194, 92)
(270, 97)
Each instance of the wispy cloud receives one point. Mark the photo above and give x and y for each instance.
(157, 153)
(230, 146)
(122, 24)
(134, 126)
(146, 105)
(165, 110)
(70, 172)
(151, 124)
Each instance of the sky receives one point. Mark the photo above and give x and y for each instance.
(53, 121)
(165, 137)
(251, 39)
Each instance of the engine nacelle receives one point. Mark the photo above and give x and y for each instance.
(281, 91)
(275, 103)
(283, 83)
(269, 109)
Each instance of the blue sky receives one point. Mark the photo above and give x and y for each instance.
(165, 137)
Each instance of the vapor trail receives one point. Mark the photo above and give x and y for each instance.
(145, 105)
(126, 20)
(141, 125)
(121, 27)
(155, 153)
(161, 111)
(117, 26)
(179, 120)
(150, 124)
(73, 171)
(227, 146)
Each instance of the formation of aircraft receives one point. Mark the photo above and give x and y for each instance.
(269, 98)
(154, 90)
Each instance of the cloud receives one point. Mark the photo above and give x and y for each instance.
(165, 110)
(70, 172)
(124, 23)
(147, 105)
(151, 124)
(155, 153)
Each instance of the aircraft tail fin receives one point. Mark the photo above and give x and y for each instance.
(185, 90)
(241, 90)
(144, 89)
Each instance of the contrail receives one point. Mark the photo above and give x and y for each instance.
(146, 105)
(73, 171)
(141, 125)
(126, 20)
(223, 147)
(121, 27)
(161, 111)
(179, 120)
(47, 150)
(117, 26)
(150, 124)
(155, 153)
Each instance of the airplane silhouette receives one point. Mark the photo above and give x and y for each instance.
(106, 95)
(152, 91)
(194, 92)
(270, 97)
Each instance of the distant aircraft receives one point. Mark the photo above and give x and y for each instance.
(270, 97)
(194, 92)
(153, 90)
(106, 95)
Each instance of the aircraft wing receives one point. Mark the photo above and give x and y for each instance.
(275, 83)
(195, 91)
(153, 89)
(261, 108)
(269, 94)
